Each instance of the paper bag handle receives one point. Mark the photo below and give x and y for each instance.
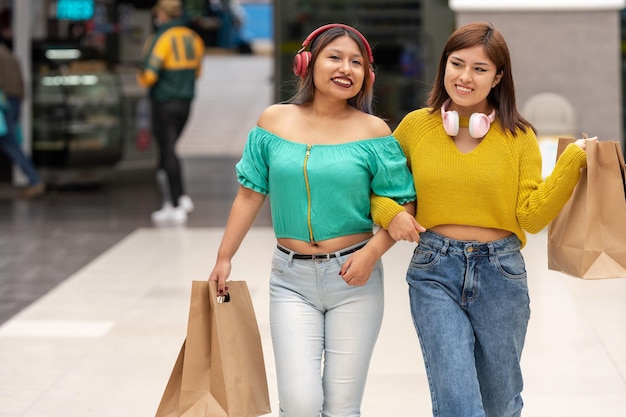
(224, 298)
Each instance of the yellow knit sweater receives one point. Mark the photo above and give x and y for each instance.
(496, 185)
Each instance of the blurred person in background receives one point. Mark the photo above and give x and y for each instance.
(12, 88)
(171, 63)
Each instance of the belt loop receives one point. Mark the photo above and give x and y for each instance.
(338, 258)
(492, 251)
(446, 245)
(287, 252)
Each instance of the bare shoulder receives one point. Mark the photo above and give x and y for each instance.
(377, 126)
(271, 118)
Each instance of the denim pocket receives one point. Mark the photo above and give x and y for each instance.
(424, 257)
(511, 265)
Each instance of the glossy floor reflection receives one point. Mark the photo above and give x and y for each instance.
(44, 241)
(104, 341)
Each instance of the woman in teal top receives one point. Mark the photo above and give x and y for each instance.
(319, 158)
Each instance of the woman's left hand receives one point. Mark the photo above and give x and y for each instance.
(358, 267)
(404, 227)
(582, 143)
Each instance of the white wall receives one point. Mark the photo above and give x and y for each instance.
(535, 5)
(574, 53)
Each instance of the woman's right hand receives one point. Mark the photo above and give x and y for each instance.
(404, 227)
(220, 274)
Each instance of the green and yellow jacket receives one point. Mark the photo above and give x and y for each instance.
(172, 60)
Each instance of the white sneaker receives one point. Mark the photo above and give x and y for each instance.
(185, 202)
(169, 216)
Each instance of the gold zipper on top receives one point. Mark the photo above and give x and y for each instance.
(308, 192)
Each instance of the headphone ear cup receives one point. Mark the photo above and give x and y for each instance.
(479, 124)
(450, 121)
(301, 63)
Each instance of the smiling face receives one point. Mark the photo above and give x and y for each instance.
(340, 68)
(469, 77)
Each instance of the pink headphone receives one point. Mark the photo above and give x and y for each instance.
(303, 58)
(479, 123)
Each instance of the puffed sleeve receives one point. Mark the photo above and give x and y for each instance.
(252, 169)
(391, 176)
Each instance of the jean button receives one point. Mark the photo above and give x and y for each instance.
(470, 249)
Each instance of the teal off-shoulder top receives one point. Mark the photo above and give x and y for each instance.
(319, 192)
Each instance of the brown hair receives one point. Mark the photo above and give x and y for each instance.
(306, 87)
(172, 8)
(502, 96)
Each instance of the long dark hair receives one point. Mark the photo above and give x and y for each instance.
(306, 87)
(502, 96)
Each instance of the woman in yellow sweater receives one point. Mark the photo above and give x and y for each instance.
(476, 166)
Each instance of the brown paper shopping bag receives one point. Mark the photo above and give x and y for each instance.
(588, 237)
(220, 370)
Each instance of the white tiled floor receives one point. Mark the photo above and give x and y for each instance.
(103, 343)
(232, 92)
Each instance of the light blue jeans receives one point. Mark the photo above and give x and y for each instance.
(470, 306)
(323, 334)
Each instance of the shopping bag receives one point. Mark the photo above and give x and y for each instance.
(587, 239)
(220, 370)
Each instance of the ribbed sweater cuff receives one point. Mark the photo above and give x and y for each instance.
(384, 210)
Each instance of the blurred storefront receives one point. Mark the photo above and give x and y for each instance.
(568, 48)
(85, 116)
(405, 36)
(85, 113)
(82, 117)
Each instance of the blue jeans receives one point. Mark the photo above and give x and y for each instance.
(10, 146)
(323, 333)
(470, 307)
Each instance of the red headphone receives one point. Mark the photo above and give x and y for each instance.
(303, 58)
